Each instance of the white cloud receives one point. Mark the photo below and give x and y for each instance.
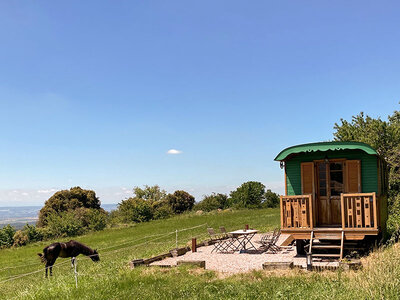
(174, 151)
(46, 191)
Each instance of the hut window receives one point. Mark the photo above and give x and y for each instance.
(322, 179)
(336, 178)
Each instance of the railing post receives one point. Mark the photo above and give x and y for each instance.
(375, 211)
(311, 211)
(343, 211)
(282, 212)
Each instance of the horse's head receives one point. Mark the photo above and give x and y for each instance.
(95, 256)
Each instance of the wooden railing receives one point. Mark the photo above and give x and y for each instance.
(359, 210)
(296, 211)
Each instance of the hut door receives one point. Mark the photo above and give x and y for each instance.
(330, 185)
(322, 194)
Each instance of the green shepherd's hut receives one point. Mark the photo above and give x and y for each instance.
(334, 191)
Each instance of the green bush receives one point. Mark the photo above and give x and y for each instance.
(20, 238)
(250, 195)
(393, 223)
(33, 233)
(97, 219)
(64, 224)
(271, 199)
(212, 202)
(180, 201)
(135, 210)
(45, 233)
(92, 219)
(162, 210)
(7, 236)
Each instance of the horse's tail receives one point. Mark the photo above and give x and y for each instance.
(43, 255)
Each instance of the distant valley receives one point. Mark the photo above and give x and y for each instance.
(19, 216)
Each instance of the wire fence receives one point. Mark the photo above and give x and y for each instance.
(154, 237)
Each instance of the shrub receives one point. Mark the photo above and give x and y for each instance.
(20, 238)
(212, 202)
(92, 219)
(45, 233)
(33, 233)
(250, 195)
(7, 236)
(162, 210)
(64, 224)
(97, 219)
(271, 199)
(135, 210)
(180, 201)
(393, 223)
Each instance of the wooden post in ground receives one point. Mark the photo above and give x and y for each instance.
(194, 245)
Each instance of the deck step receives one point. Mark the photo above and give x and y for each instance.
(328, 237)
(326, 246)
(325, 255)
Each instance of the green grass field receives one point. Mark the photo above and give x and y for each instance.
(113, 279)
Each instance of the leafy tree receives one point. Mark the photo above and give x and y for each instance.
(250, 194)
(271, 199)
(180, 201)
(65, 200)
(212, 202)
(150, 193)
(382, 135)
(135, 210)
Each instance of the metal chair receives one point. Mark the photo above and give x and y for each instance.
(221, 243)
(229, 238)
(269, 241)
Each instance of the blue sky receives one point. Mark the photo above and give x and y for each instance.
(94, 93)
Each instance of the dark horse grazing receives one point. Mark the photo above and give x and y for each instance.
(70, 249)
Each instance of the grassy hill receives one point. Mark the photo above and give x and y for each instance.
(112, 279)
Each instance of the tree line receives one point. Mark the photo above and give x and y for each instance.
(384, 136)
(76, 211)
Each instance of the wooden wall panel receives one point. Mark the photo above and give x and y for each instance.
(307, 178)
(353, 176)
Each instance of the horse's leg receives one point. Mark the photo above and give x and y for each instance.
(72, 262)
(51, 267)
(47, 268)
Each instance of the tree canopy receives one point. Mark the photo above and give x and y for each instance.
(250, 194)
(384, 136)
(66, 200)
(180, 201)
(150, 193)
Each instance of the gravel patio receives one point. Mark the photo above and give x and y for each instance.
(232, 263)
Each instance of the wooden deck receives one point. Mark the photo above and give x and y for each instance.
(328, 233)
(359, 216)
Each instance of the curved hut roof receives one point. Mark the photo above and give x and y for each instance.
(324, 146)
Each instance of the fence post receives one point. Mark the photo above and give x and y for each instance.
(194, 245)
(176, 238)
(75, 272)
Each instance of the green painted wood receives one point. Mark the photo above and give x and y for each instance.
(324, 146)
(369, 168)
